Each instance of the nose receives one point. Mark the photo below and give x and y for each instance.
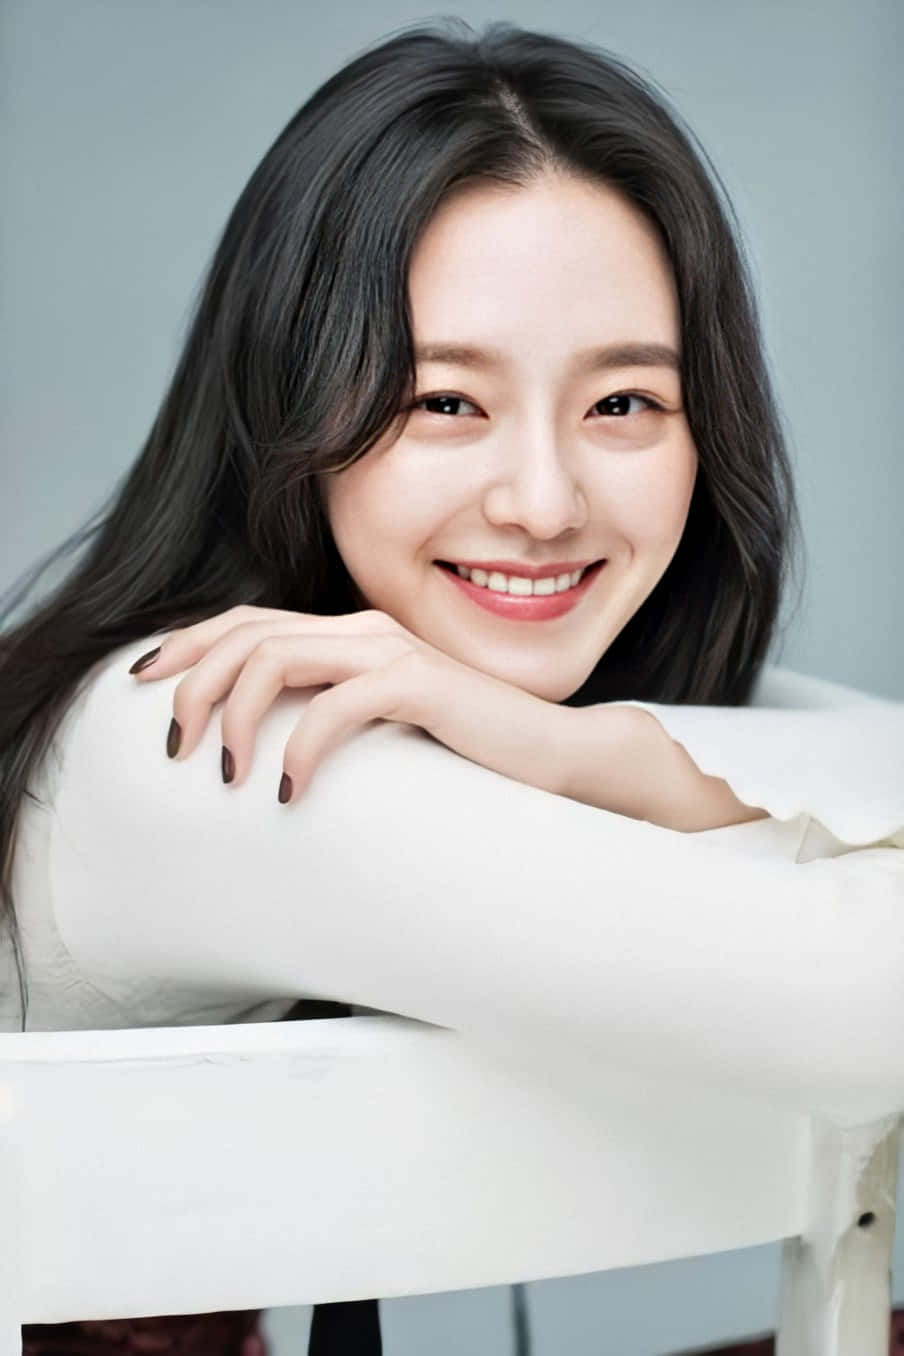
(536, 487)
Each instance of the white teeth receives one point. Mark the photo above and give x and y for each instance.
(518, 584)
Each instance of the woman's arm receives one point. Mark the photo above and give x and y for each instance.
(369, 667)
(412, 880)
(662, 783)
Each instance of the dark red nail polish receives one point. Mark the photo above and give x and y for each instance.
(173, 738)
(285, 788)
(145, 660)
(227, 765)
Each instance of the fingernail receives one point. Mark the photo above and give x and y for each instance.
(227, 765)
(145, 660)
(285, 788)
(173, 738)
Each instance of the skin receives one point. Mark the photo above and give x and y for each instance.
(527, 465)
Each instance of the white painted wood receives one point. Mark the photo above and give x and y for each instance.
(191, 1169)
(194, 1169)
(836, 1276)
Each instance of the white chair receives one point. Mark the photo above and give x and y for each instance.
(185, 1170)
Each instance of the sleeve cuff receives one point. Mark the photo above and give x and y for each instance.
(837, 757)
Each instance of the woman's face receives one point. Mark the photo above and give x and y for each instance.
(553, 448)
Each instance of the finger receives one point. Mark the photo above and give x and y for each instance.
(213, 674)
(292, 661)
(184, 647)
(335, 714)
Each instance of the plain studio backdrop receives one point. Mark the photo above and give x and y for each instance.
(130, 127)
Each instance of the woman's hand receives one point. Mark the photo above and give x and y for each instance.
(368, 667)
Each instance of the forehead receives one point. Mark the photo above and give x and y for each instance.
(562, 259)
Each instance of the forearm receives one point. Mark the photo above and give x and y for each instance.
(656, 777)
(412, 880)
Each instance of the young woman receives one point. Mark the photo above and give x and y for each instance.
(470, 466)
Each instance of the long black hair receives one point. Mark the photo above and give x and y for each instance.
(299, 357)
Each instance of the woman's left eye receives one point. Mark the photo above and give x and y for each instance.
(624, 398)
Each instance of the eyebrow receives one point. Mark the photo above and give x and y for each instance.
(590, 360)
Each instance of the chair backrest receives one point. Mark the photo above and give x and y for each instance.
(190, 1169)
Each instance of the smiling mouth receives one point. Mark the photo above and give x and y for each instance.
(494, 581)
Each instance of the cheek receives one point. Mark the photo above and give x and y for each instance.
(669, 498)
(352, 510)
(370, 520)
(389, 505)
(652, 509)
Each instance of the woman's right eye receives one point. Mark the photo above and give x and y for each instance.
(442, 399)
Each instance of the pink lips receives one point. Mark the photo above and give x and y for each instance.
(542, 607)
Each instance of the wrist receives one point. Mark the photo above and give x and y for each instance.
(611, 755)
(695, 801)
(621, 759)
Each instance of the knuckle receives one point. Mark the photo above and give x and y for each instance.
(319, 703)
(415, 662)
(244, 627)
(271, 649)
(381, 621)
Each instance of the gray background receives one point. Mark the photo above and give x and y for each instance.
(128, 131)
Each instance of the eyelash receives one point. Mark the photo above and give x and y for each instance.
(452, 395)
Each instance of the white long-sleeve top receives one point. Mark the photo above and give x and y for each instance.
(407, 879)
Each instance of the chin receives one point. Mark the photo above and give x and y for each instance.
(550, 688)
